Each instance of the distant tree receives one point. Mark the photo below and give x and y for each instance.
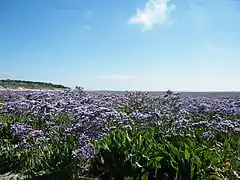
(8, 83)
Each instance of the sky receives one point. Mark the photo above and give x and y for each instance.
(149, 45)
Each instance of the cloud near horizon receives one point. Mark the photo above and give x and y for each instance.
(156, 12)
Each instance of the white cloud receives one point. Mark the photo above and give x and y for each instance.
(117, 77)
(155, 12)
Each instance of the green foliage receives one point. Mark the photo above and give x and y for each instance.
(149, 154)
(48, 158)
(125, 153)
(1, 100)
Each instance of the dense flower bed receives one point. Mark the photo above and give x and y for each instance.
(73, 134)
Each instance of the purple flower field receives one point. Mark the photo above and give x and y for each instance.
(72, 134)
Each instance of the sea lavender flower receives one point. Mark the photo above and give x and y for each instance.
(85, 152)
(20, 130)
(35, 133)
(23, 132)
(140, 116)
(85, 148)
(203, 124)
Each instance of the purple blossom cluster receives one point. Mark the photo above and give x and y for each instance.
(219, 124)
(205, 106)
(93, 115)
(23, 133)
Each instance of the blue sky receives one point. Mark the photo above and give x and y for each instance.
(190, 45)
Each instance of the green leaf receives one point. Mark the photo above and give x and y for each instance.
(213, 160)
(176, 176)
(158, 159)
(187, 155)
(146, 157)
(227, 144)
(128, 138)
(140, 140)
(171, 162)
(174, 149)
(105, 146)
(198, 160)
(138, 165)
(145, 176)
(102, 159)
(192, 169)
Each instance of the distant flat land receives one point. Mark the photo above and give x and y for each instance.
(21, 85)
(235, 94)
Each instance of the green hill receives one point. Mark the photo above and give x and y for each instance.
(20, 84)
